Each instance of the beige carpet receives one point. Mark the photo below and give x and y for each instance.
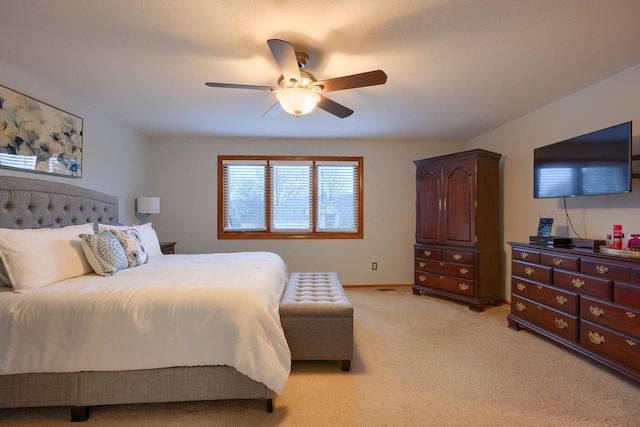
(419, 361)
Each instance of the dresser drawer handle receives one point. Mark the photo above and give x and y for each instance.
(561, 324)
(422, 263)
(557, 261)
(520, 306)
(529, 271)
(464, 270)
(631, 343)
(524, 255)
(539, 287)
(561, 300)
(521, 286)
(596, 311)
(596, 338)
(577, 283)
(630, 315)
(463, 286)
(427, 253)
(457, 257)
(602, 269)
(422, 278)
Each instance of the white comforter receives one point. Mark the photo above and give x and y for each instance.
(178, 310)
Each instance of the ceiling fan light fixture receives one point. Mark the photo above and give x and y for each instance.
(297, 101)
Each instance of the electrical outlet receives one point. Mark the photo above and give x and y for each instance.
(374, 265)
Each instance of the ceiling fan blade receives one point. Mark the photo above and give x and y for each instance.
(334, 108)
(285, 55)
(370, 78)
(272, 112)
(236, 86)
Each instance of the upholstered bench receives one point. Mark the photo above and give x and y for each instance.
(317, 318)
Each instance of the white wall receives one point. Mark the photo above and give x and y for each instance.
(184, 175)
(114, 157)
(609, 102)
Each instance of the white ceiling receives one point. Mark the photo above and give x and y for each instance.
(456, 68)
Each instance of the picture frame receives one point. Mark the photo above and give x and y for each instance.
(37, 137)
(544, 227)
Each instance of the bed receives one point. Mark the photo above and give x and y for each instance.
(159, 359)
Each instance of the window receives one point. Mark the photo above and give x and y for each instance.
(275, 197)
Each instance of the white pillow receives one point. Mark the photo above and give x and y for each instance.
(133, 246)
(104, 253)
(148, 234)
(40, 257)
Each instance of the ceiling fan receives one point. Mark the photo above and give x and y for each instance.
(298, 92)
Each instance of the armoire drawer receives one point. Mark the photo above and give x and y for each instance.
(619, 318)
(610, 344)
(459, 257)
(547, 295)
(529, 271)
(445, 283)
(554, 321)
(583, 284)
(428, 253)
(451, 269)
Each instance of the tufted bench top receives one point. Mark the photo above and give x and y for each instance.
(315, 294)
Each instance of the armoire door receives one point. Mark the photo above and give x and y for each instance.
(459, 203)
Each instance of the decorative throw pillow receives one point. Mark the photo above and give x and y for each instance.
(148, 234)
(133, 246)
(104, 253)
(40, 257)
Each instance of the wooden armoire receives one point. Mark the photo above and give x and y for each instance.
(458, 250)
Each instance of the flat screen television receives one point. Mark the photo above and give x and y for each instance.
(593, 164)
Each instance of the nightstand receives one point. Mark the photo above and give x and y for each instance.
(168, 248)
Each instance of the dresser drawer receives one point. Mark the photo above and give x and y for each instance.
(468, 258)
(619, 318)
(554, 321)
(518, 254)
(626, 294)
(529, 271)
(635, 276)
(612, 345)
(605, 270)
(559, 261)
(428, 253)
(547, 295)
(445, 283)
(582, 284)
(451, 269)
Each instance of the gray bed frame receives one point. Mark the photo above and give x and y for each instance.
(32, 203)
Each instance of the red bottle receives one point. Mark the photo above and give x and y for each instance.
(617, 237)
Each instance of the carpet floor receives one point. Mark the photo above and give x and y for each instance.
(419, 361)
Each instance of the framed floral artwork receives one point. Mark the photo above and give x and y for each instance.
(37, 137)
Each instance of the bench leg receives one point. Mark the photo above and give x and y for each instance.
(346, 365)
(79, 414)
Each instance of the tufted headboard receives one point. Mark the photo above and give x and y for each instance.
(33, 203)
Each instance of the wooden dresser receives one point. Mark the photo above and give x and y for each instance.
(457, 250)
(588, 302)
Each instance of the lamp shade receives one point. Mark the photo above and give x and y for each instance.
(297, 100)
(148, 205)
